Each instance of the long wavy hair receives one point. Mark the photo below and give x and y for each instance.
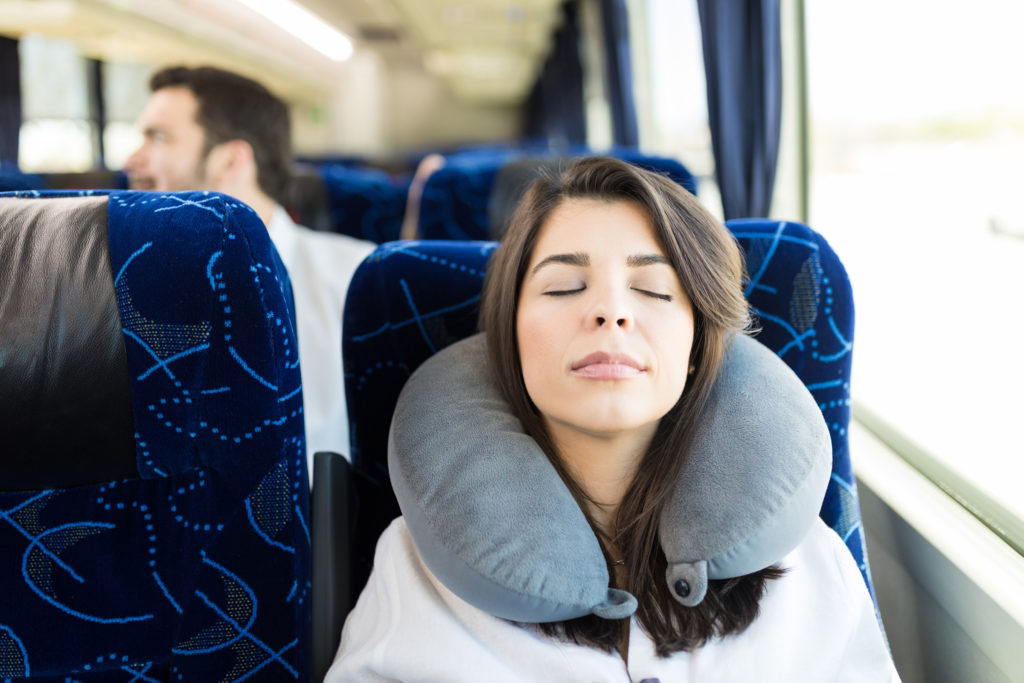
(709, 264)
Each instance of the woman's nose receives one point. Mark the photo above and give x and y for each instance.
(611, 308)
(621, 322)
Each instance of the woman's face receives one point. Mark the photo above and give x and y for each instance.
(604, 325)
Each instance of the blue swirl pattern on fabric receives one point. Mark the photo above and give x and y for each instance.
(802, 300)
(199, 569)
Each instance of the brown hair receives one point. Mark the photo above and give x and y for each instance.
(233, 107)
(709, 265)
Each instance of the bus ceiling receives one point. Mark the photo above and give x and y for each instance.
(487, 51)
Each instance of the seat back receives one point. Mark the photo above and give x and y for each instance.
(801, 298)
(154, 525)
(13, 180)
(455, 199)
(305, 199)
(409, 300)
(472, 196)
(87, 180)
(364, 203)
(406, 301)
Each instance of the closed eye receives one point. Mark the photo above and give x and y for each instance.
(653, 295)
(564, 292)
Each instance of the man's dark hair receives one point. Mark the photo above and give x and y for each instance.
(233, 107)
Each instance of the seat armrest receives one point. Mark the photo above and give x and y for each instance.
(331, 556)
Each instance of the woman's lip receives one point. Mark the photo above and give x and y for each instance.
(605, 365)
(607, 371)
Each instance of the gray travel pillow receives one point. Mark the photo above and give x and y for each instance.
(494, 523)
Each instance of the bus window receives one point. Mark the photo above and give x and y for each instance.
(670, 90)
(56, 134)
(916, 167)
(125, 91)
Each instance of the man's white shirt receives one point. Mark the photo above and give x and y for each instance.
(320, 265)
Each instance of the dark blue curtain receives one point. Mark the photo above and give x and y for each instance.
(619, 76)
(554, 110)
(10, 101)
(743, 63)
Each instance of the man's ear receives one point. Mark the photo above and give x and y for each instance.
(231, 165)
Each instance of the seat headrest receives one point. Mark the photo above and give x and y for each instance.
(177, 304)
(209, 329)
(64, 387)
(513, 180)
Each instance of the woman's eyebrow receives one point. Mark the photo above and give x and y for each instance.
(638, 260)
(574, 259)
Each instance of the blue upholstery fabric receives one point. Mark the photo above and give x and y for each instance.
(13, 180)
(664, 165)
(199, 569)
(409, 300)
(43, 193)
(364, 203)
(455, 198)
(406, 301)
(802, 300)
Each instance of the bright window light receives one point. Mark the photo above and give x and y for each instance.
(305, 26)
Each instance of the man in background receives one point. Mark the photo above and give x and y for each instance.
(208, 129)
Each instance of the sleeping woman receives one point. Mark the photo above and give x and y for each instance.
(608, 311)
